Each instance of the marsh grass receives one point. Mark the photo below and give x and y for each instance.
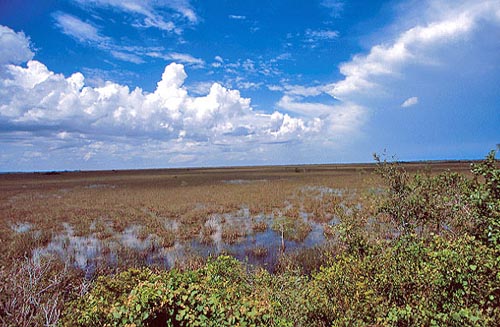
(257, 251)
(85, 224)
(232, 233)
(259, 226)
(105, 204)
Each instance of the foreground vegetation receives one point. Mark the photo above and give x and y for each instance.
(422, 251)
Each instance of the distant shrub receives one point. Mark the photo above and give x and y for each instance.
(291, 226)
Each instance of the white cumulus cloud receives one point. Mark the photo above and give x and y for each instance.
(62, 112)
(412, 46)
(15, 47)
(410, 102)
(339, 120)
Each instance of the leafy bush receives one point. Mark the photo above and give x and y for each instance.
(485, 197)
(219, 294)
(413, 283)
(424, 203)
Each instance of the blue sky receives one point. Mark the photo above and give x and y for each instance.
(112, 84)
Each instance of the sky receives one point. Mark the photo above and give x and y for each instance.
(129, 84)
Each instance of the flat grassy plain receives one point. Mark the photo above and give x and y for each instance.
(61, 230)
(171, 216)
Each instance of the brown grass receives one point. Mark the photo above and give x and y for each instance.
(257, 251)
(171, 204)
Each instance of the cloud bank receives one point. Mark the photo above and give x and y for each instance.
(438, 53)
(61, 112)
(449, 24)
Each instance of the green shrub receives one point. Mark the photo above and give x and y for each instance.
(485, 198)
(424, 203)
(289, 296)
(218, 294)
(412, 283)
